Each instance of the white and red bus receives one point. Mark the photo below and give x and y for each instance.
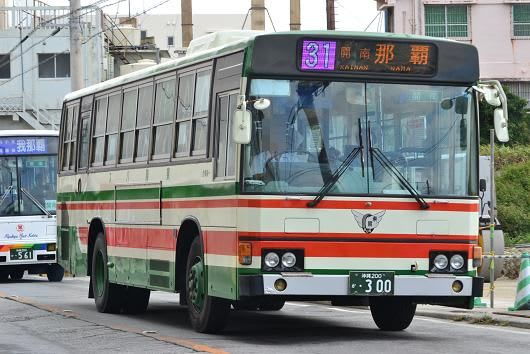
(262, 168)
(28, 182)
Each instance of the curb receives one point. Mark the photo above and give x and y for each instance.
(484, 318)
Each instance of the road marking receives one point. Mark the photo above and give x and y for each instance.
(344, 310)
(298, 305)
(468, 325)
(168, 339)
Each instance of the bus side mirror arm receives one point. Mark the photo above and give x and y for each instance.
(493, 93)
(242, 124)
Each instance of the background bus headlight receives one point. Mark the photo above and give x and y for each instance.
(272, 259)
(441, 261)
(457, 261)
(288, 259)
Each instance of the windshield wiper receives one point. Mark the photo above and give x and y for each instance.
(6, 193)
(389, 167)
(36, 202)
(340, 171)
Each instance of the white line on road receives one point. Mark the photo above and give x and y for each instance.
(471, 325)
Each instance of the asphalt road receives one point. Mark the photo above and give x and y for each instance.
(59, 318)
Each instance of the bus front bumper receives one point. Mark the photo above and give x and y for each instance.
(338, 285)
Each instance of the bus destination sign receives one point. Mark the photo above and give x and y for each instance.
(23, 146)
(368, 56)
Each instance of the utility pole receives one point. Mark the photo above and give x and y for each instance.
(76, 55)
(187, 23)
(295, 15)
(330, 14)
(257, 15)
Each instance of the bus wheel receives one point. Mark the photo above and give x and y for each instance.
(136, 300)
(207, 314)
(55, 273)
(392, 313)
(3, 276)
(107, 295)
(16, 274)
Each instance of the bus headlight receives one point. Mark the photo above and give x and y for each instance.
(288, 259)
(441, 261)
(272, 259)
(457, 261)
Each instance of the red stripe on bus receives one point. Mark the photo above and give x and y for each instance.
(220, 242)
(359, 235)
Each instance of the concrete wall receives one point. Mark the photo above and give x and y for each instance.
(161, 26)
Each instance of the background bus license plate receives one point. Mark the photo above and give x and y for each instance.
(21, 254)
(372, 283)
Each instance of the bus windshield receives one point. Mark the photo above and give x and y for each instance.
(28, 185)
(396, 139)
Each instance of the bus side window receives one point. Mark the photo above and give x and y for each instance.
(143, 122)
(113, 119)
(69, 138)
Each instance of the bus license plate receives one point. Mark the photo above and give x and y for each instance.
(372, 283)
(21, 254)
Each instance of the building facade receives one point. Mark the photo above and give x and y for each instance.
(35, 62)
(500, 29)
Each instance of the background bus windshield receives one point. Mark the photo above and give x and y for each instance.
(28, 185)
(376, 133)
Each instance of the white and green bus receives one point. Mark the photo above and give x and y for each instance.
(262, 168)
(28, 182)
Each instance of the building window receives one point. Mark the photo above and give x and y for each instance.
(54, 65)
(5, 66)
(170, 40)
(521, 20)
(446, 21)
(143, 34)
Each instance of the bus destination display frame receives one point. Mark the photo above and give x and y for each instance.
(350, 55)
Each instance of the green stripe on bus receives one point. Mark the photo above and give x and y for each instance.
(191, 191)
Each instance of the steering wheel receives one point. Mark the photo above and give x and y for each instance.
(268, 166)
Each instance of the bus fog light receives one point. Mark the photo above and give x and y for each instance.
(457, 286)
(288, 259)
(441, 261)
(272, 259)
(280, 284)
(457, 261)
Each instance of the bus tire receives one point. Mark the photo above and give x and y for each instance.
(107, 295)
(16, 274)
(392, 313)
(207, 314)
(55, 273)
(3, 276)
(136, 300)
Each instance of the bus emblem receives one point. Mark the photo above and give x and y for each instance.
(20, 228)
(368, 222)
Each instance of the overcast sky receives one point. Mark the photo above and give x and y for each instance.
(350, 14)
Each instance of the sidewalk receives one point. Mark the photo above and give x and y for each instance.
(504, 297)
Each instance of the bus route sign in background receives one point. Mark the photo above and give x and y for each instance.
(370, 56)
(23, 146)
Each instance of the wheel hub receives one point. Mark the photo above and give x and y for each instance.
(196, 284)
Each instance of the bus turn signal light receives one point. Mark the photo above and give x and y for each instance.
(477, 256)
(50, 247)
(245, 253)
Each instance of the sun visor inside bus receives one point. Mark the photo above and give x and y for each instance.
(364, 57)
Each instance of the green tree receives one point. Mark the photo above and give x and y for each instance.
(518, 120)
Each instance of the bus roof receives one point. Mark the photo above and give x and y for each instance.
(226, 42)
(28, 132)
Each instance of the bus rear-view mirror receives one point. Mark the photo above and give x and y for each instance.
(241, 128)
(461, 103)
(501, 125)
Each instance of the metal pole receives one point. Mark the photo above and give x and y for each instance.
(330, 12)
(22, 72)
(257, 15)
(76, 55)
(295, 15)
(187, 23)
(492, 216)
